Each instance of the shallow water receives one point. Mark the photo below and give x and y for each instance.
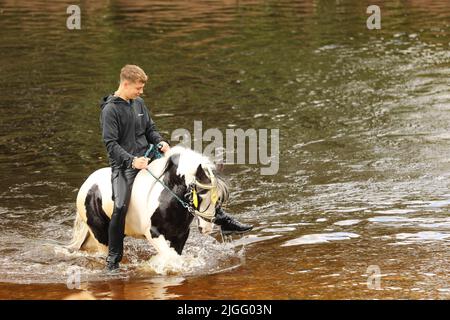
(364, 143)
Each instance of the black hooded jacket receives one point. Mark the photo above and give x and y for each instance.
(127, 130)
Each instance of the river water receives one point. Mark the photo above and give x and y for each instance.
(359, 206)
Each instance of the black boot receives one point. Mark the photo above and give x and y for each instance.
(111, 265)
(228, 224)
(115, 238)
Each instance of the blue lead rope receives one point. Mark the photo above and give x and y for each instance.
(153, 152)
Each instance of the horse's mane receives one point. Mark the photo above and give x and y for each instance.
(187, 165)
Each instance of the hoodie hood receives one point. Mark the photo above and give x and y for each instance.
(110, 98)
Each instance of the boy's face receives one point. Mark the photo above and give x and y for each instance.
(134, 89)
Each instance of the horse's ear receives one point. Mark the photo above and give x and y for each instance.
(201, 175)
(175, 159)
(172, 162)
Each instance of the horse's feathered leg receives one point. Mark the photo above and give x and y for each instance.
(160, 244)
(167, 259)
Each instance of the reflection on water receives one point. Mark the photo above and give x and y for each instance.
(321, 238)
(363, 119)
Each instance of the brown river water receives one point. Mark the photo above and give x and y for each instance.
(358, 208)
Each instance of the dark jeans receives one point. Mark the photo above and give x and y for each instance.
(122, 182)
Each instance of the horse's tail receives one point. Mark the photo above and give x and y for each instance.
(80, 234)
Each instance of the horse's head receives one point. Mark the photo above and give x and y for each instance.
(209, 191)
(206, 188)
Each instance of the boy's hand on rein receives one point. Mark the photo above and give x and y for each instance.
(140, 163)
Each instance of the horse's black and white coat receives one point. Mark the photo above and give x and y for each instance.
(153, 213)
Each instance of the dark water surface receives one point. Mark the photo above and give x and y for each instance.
(364, 143)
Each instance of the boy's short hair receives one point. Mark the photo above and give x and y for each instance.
(133, 74)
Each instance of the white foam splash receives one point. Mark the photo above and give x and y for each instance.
(202, 254)
(165, 264)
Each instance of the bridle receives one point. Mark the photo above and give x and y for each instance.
(192, 195)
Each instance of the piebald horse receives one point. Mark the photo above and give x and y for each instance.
(154, 212)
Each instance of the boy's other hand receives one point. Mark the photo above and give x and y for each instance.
(165, 146)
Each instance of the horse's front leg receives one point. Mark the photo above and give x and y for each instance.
(167, 260)
(160, 244)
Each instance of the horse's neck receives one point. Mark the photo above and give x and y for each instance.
(157, 166)
(145, 181)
